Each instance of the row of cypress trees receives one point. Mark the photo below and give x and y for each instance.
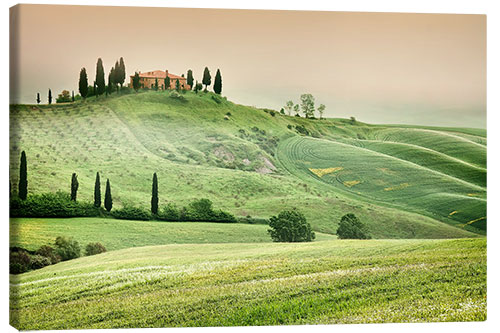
(108, 199)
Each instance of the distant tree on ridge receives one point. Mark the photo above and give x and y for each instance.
(190, 78)
(207, 79)
(218, 83)
(83, 84)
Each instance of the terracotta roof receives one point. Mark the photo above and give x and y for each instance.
(159, 75)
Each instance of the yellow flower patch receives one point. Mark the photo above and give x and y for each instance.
(321, 172)
(351, 183)
(397, 187)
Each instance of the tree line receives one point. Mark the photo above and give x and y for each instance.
(116, 79)
(62, 205)
(306, 106)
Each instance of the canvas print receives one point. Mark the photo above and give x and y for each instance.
(176, 167)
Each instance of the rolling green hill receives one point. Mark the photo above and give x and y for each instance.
(402, 181)
(322, 282)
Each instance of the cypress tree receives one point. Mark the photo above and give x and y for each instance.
(218, 82)
(50, 96)
(136, 82)
(97, 191)
(83, 83)
(156, 84)
(154, 195)
(167, 80)
(121, 73)
(74, 186)
(23, 177)
(108, 200)
(72, 95)
(38, 98)
(190, 79)
(99, 78)
(207, 79)
(111, 81)
(177, 85)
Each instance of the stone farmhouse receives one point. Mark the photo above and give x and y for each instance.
(148, 79)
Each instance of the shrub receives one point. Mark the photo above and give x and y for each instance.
(38, 261)
(57, 204)
(169, 213)
(290, 226)
(131, 213)
(302, 129)
(19, 262)
(272, 113)
(350, 227)
(216, 99)
(48, 252)
(175, 95)
(67, 248)
(94, 248)
(201, 210)
(253, 220)
(289, 126)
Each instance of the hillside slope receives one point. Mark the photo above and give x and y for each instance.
(404, 182)
(322, 282)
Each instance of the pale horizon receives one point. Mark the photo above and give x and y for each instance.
(385, 68)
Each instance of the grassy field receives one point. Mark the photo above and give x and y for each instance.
(323, 282)
(251, 162)
(31, 233)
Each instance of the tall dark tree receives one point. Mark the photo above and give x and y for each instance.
(23, 177)
(177, 85)
(156, 84)
(190, 79)
(136, 82)
(108, 200)
(120, 77)
(50, 96)
(167, 80)
(97, 191)
(72, 95)
(83, 83)
(207, 79)
(154, 195)
(74, 186)
(38, 100)
(116, 75)
(99, 78)
(111, 81)
(218, 83)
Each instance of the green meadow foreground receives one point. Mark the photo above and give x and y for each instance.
(321, 282)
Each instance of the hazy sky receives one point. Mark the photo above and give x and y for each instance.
(379, 67)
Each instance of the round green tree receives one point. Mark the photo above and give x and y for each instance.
(350, 227)
(290, 226)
